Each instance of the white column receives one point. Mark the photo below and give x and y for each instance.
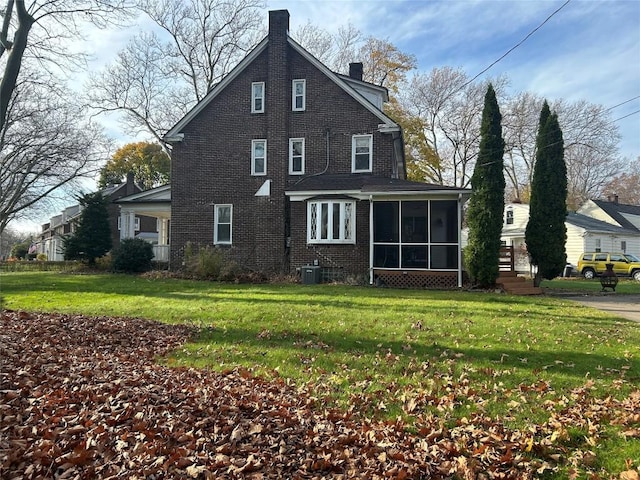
(127, 224)
(163, 231)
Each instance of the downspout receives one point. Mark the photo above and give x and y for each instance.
(370, 239)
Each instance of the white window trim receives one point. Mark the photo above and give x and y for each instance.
(353, 153)
(304, 95)
(291, 171)
(215, 224)
(254, 97)
(318, 225)
(253, 156)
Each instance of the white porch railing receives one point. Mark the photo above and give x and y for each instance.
(161, 253)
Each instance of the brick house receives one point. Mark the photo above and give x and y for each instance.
(286, 164)
(50, 242)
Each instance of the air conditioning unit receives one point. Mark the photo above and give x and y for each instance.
(311, 274)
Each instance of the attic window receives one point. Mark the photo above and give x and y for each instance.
(298, 95)
(509, 220)
(257, 97)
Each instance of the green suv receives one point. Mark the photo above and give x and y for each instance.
(624, 264)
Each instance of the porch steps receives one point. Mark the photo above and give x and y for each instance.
(510, 282)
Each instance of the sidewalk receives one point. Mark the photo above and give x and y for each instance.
(625, 306)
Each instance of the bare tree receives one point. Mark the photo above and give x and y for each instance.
(46, 144)
(444, 109)
(520, 124)
(591, 152)
(159, 76)
(39, 29)
(591, 149)
(45, 141)
(626, 185)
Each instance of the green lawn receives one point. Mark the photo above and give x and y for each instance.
(581, 285)
(524, 362)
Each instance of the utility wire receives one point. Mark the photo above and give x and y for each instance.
(628, 115)
(516, 45)
(622, 103)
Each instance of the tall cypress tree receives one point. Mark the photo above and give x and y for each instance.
(92, 238)
(546, 232)
(486, 205)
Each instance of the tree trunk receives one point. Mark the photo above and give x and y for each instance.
(14, 60)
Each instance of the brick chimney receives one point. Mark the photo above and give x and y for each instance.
(355, 70)
(278, 24)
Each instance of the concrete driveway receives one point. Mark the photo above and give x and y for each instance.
(625, 306)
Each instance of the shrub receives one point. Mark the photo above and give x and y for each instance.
(133, 255)
(41, 257)
(209, 263)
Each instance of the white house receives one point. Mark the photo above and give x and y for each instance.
(597, 227)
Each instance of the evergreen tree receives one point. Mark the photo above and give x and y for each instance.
(486, 205)
(546, 232)
(92, 238)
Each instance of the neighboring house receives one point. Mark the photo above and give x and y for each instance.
(154, 203)
(611, 211)
(585, 233)
(286, 165)
(50, 240)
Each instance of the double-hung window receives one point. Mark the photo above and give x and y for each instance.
(298, 95)
(361, 153)
(296, 156)
(258, 157)
(222, 222)
(257, 97)
(331, 221)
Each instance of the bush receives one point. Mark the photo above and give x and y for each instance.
(133, 255)
(209, 263)
(41, 257)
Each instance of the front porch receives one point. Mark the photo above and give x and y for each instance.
(154, 203)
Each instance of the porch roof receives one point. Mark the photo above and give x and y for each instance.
(367, 184)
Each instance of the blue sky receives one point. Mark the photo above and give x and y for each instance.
(589, 50)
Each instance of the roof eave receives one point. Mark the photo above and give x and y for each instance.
(175, 134)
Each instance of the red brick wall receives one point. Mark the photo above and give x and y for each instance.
(212, 165)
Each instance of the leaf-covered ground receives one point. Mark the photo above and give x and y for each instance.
(84, 397)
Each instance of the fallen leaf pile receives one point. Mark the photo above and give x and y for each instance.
(84, 398)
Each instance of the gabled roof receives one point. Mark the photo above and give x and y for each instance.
(351, 184)
(174, 134)
(616, 210)
(593, 225)
(156, 195)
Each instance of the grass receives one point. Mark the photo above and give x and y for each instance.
(581, 285)
(383, 352)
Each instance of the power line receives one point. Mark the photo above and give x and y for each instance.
(622, 103)
(628, 115)
(518, 44)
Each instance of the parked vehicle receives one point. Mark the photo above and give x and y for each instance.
(595, 263)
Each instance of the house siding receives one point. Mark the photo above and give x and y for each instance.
(576, 243)
(213, 164)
